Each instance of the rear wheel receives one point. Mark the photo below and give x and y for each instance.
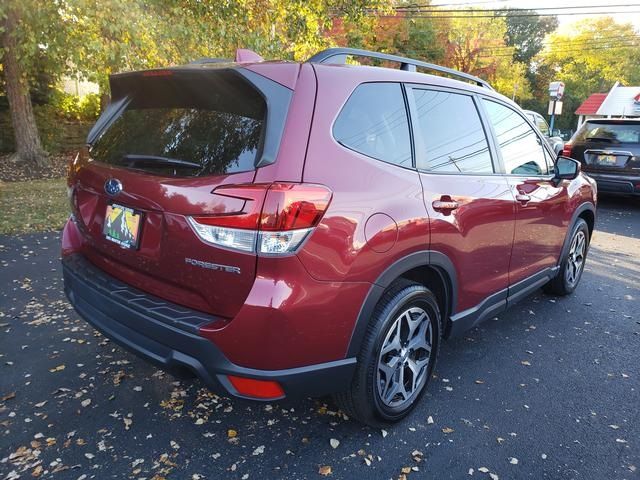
(572, 264)
(397, 357)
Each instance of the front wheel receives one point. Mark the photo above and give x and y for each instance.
(397, 357)
(572, 264)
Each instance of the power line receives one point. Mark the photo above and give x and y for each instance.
(608, 47)
(519, 15)
(576, 43)
(436, 8)
(463, 3)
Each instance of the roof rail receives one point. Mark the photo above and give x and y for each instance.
(340, 54)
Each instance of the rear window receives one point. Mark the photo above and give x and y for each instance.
(184, 124)
(609, 132)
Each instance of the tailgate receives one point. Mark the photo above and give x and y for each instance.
(168, 140)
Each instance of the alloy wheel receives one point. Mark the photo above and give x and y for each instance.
(575, 262)
(404, 358)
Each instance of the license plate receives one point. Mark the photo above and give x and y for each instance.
(607, 160)
(122, 226)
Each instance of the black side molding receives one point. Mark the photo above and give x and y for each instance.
(499, 302)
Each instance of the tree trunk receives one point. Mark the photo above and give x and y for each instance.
(25, 131)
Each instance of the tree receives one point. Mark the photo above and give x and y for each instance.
(590, 58)
(527, 33)
(477, 45)
(23, 26)
(92, 39)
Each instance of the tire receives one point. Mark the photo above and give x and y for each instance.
(572, 264)
(407, 311)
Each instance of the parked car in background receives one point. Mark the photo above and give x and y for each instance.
(555, 141)
(609, 150)
(284, 229)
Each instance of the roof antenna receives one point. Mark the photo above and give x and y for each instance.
(244, 55)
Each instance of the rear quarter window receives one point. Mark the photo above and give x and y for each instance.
(374, 122)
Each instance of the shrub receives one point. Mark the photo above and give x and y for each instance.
(75, 108)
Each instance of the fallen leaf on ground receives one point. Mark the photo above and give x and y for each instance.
(325, 470)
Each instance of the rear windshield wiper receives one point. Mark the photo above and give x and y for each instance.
(153, 160)
(601, 139)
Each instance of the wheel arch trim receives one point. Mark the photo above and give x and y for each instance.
(423, 258)
(584, 207)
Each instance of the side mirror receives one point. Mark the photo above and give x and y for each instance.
(567, 168)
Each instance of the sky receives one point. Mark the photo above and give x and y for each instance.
(565, 20)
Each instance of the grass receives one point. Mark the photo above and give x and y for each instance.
(33, 206)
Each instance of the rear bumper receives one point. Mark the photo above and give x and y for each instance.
(167, 335)
(622, 184)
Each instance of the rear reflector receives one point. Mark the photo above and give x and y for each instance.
(275, 220)
(250, 387)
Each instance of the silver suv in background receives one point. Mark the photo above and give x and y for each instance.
(556, 143)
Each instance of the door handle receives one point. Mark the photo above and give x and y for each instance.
(523, 198)
(445, 204)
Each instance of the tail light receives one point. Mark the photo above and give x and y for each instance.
(275, 220)
(566, 150)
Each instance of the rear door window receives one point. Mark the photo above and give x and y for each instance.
(374, 122)
(520, 146)
(453, 138)
(186, 125)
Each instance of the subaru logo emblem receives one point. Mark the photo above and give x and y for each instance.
(113, 186)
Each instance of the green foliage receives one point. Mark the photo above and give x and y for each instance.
(471, 44)
(73, 107)
(527, 34)
(590, 57)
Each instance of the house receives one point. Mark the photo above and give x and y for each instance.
(620, 102)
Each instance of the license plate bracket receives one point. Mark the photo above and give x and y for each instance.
(122, 226)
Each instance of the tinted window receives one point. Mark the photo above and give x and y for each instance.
(611, 133)
(541, 123)
(519, 144)
(452, 134)
(186, 126)
(374, 123)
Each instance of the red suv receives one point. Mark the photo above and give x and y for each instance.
(286, 229)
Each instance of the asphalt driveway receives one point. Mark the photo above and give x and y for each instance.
(549, 389)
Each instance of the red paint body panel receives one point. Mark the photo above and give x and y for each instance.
(293, 147)
(284, 73)
(166, 239)
(541, 225)
(286, 321)
(362, 187)
(477, 236)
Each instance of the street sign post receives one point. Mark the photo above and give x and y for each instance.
(556, 92)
